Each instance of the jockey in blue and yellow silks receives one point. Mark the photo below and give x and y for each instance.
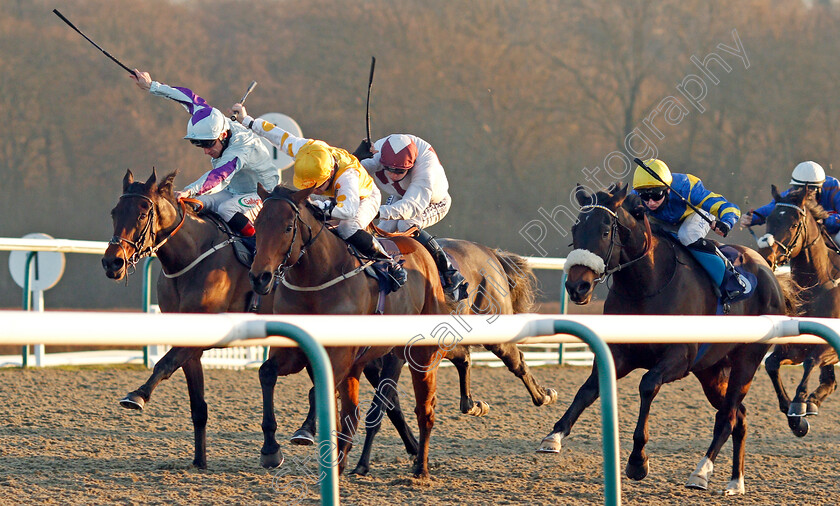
(719, 215)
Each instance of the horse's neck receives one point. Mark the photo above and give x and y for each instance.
(187, 243)
(642, 271)
(813, 265)
(325, 258)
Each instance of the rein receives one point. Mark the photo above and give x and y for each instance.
(614, 223)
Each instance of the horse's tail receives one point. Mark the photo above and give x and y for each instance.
(522, 283)
(790, 291)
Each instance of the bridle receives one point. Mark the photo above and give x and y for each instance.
(614, 224)
(284, 266)
(801, 230)
(144, 242)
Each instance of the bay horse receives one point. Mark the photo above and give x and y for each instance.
(799, 238)
(317, 274)
(652, 274)
(148, 220)
(499, 283)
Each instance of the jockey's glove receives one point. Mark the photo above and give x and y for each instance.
(363, 151)
(325, 206)
(721, 227)
(638, 211)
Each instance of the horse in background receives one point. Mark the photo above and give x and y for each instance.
(200, 274)
(653, 274)
(500, 283)
(317, 274)
(795, 236)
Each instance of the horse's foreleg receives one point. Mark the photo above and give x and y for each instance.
(512, 357)
(349, 417)
(665, 372)
(198, 409)
(772, 365)
(305, 435)
(460, 358)
(173, 359)
(424, 381)
(828, 383)
(739, 435)
(270, 454)
(797, 405)
(384, 374)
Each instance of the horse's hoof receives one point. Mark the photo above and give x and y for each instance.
(272, 460)
(637, 472)
(697, 483)
(199, 464)
(480, 408)
(302, 437)
(812, 409)
(551, 444)
(699, 479)
(550, 397)
(734, 487)
(797, 409)
(361, 470)
(133, 401)
(799, 425)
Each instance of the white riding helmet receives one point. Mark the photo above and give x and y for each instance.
(807, 173)
(206, 123)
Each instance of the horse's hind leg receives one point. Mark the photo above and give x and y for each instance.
(173, 359)
(424, 380)
(460, 358)
(270, 454)
(198, 409)
(797, 405)
(828, 383)
(515, 362)
(384, 373)
(305, 435)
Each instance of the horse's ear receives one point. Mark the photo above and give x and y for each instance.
(620, 192)
(262, 192)
(300, 196)
(165, 187)
(152, 179)
(128, 179)
(775, 193)
(582, 196)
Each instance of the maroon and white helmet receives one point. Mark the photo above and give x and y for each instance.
(398, 151)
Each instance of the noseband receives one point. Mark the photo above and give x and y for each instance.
(144, 243)
(614, 223)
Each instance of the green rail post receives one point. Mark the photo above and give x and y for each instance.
(146, 303)
(609, 404)
(564, 298)
(324, 405)
(27, 303)
(821, 330)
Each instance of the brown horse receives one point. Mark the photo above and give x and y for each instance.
(318, 275)
(798, 238)
(654, 275)
(500, 283)
(149, 221)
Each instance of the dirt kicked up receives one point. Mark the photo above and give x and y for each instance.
(64, 439)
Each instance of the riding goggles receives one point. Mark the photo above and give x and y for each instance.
(394, 170)
(203, 143)
(655, 195)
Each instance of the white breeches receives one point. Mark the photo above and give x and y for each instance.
(431, 215)
(694, 228)
(226, 204)
(368, 208)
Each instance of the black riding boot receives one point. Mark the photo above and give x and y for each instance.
(452, 279)
(731, 286)
(368, 246)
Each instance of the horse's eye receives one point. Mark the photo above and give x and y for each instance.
(288, 229)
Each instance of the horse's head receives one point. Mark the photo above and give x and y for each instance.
(283, 231)
(791, 226)
(601, 230)
(141, 212)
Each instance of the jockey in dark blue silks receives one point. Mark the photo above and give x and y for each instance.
(826, 191)
(672, 210)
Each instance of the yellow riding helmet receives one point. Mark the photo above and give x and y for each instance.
(643, 179)
(313, 165)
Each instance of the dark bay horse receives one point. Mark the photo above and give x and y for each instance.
(316, 274)
(499, 283)
(654, 275)
(798, 238)
(148, 220)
